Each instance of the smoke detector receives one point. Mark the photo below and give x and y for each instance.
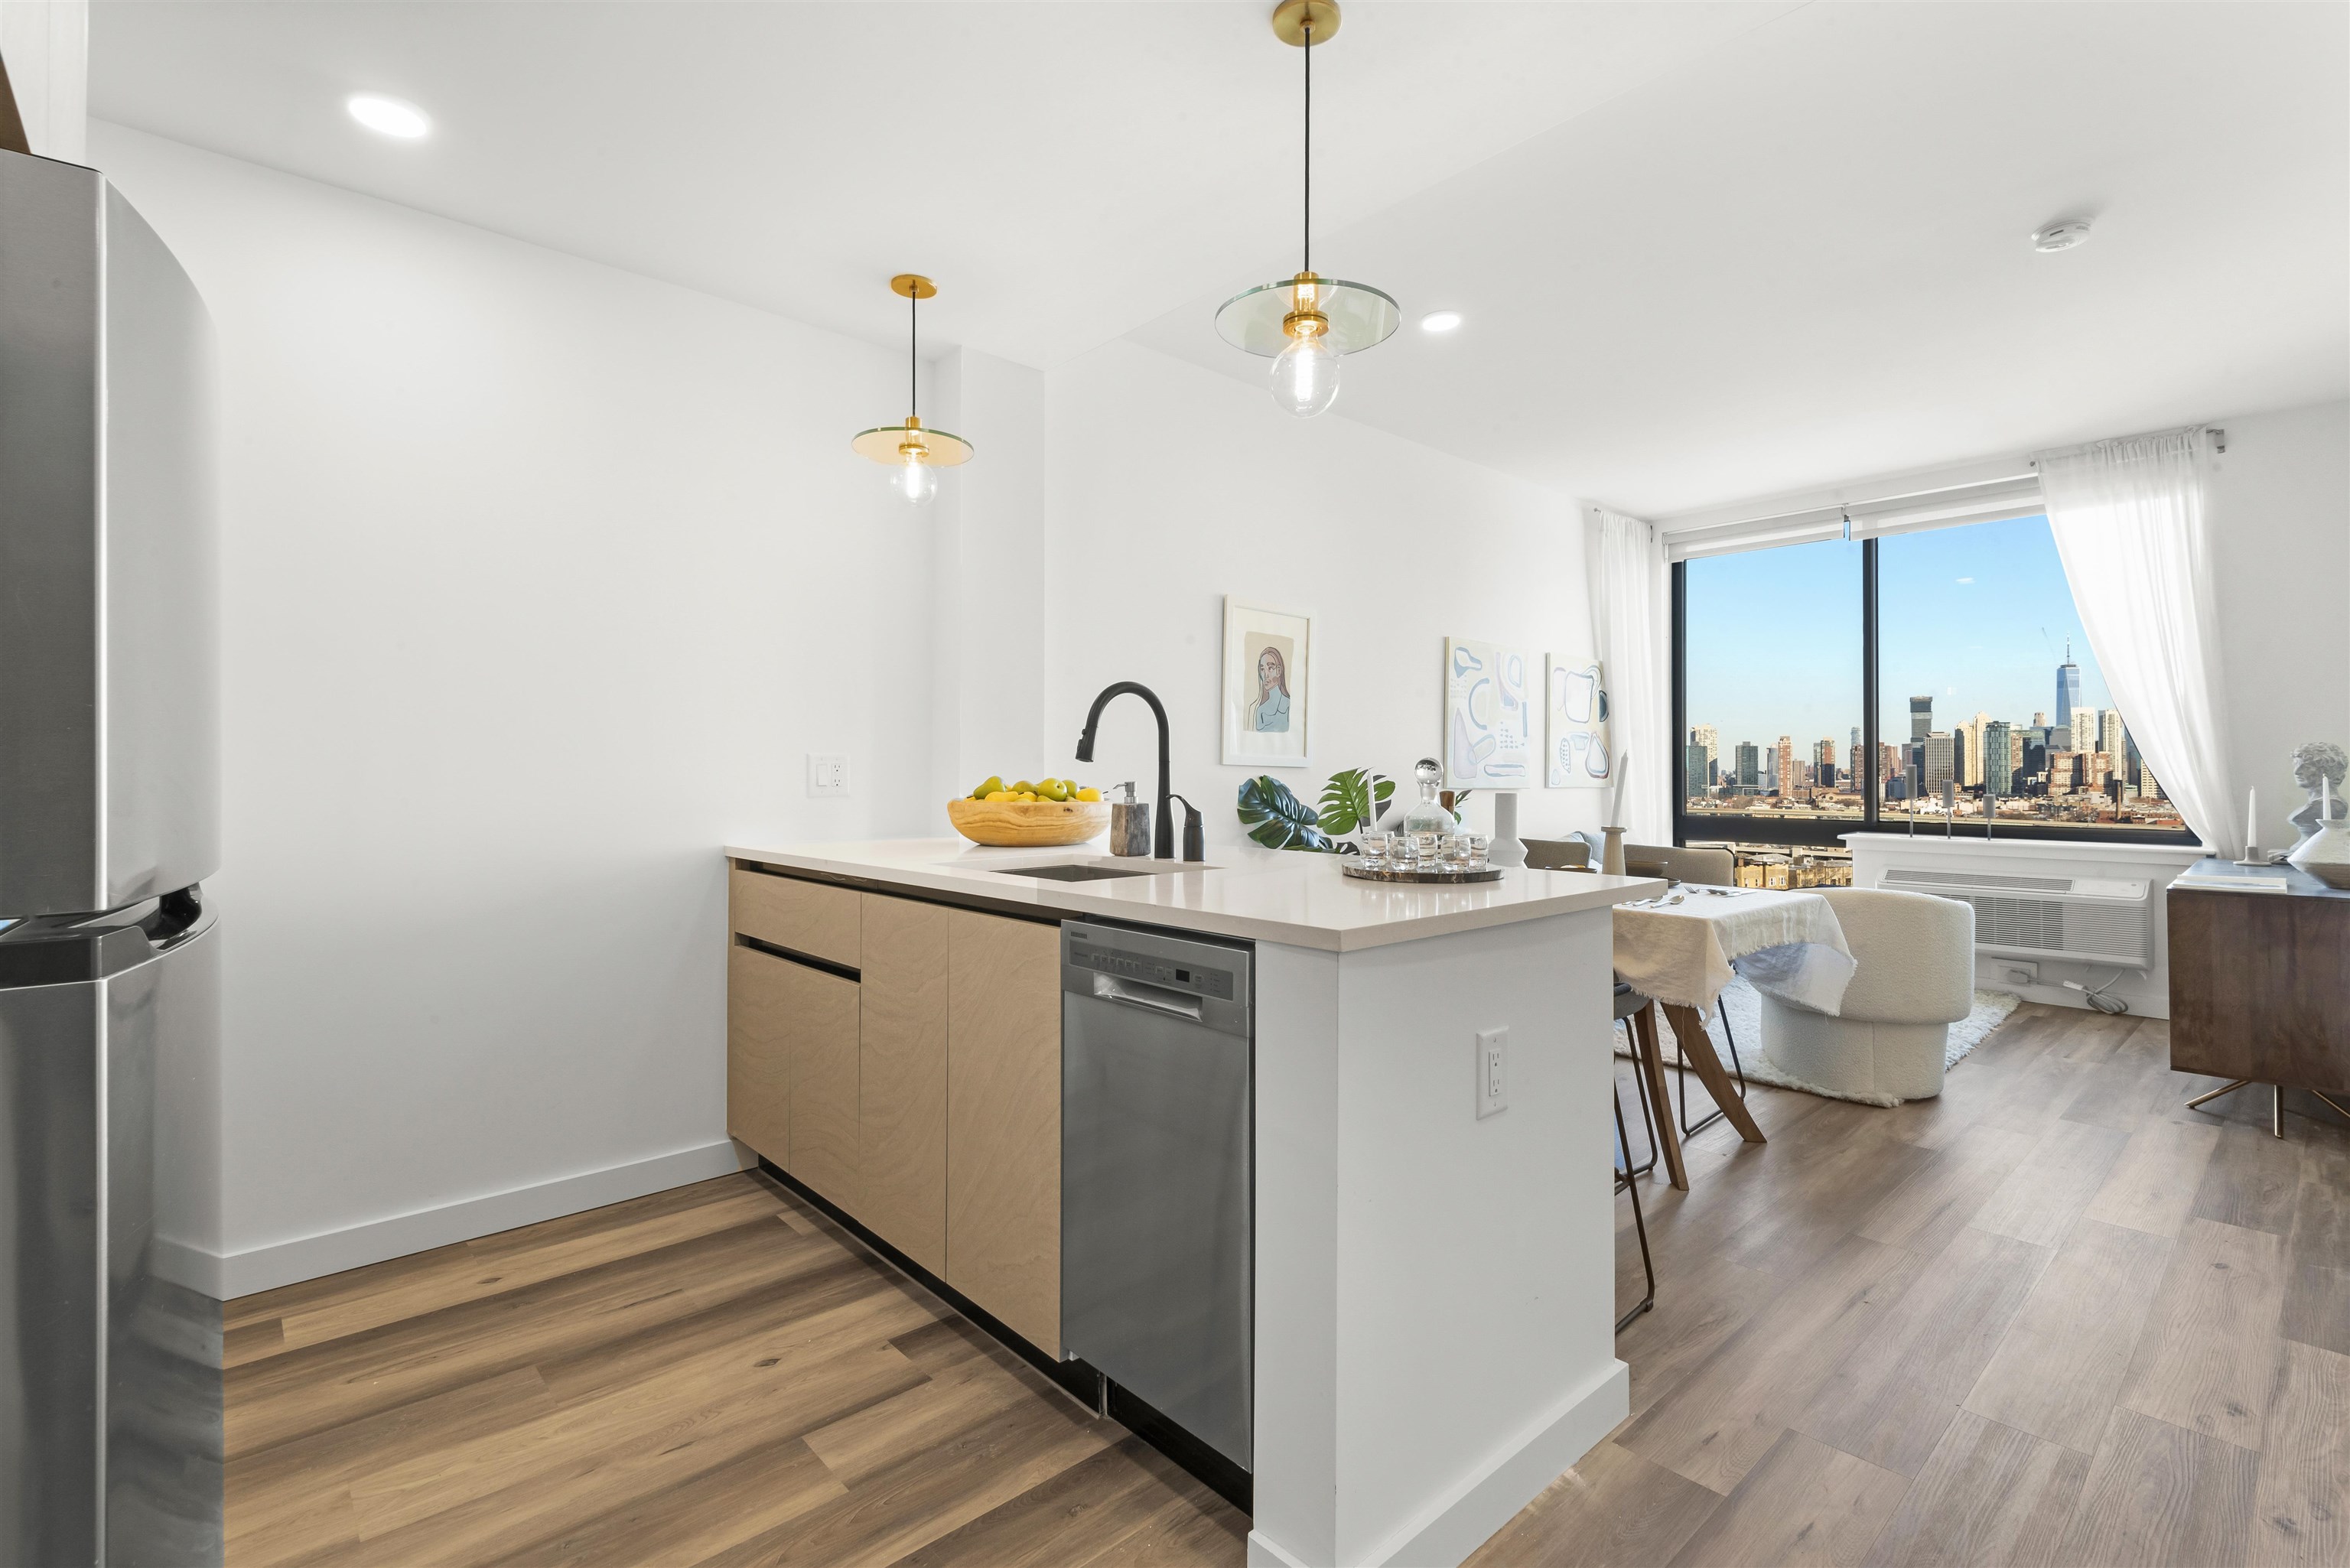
(2062, 236)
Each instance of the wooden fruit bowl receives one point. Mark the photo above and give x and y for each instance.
(1026, 825)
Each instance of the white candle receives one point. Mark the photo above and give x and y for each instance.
(1615, 807)
(2253, 822)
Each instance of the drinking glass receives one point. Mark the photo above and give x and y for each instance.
(1478, 844)
(1455, 850)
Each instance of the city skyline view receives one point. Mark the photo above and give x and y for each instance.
(1980, 651)
(1977, 616)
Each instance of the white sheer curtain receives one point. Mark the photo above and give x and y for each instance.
(1631, 613)
(2132, 525)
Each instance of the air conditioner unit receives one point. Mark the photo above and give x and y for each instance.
(2088, 920)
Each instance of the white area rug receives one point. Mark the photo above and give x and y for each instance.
(1744, 1008)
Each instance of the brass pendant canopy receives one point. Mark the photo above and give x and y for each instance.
(1290, 17)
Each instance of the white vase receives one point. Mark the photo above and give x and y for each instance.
(1507, 849)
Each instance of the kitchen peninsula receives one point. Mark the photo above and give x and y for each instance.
(1430, 1282)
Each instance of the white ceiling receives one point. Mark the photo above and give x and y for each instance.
(1705, 250)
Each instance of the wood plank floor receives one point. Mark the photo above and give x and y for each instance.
(2050, 1317)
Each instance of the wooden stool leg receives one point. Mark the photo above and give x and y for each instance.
(1652, 1069)
(1697, 1050)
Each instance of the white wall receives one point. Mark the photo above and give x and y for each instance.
(46, 44)
(1170, 486)
(2280, 515)
(538, 580)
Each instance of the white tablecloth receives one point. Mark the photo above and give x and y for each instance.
(1788, 944)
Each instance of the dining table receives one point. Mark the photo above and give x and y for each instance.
(1681, 948)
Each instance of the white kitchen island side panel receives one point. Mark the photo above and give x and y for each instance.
(1466, 1274)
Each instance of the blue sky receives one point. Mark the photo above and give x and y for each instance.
(1977, 616)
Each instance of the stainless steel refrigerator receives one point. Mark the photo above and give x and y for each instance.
(110, 819)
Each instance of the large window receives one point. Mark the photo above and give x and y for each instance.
(1989, 712)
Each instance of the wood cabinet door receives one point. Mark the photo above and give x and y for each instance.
(1004, 1120)
(901, 1087)
(758, 1052)
(815, 1016)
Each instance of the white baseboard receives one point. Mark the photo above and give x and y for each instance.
(355, 1246)
(1452, 1527)
(1263, 1552)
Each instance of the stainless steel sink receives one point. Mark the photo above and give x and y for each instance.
(1077, 871)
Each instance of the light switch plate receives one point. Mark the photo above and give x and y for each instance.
(828, 773)
(1493, 1071)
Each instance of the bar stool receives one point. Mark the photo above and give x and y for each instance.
(1628, 1003)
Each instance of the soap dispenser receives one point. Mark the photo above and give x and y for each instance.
(1129, 823)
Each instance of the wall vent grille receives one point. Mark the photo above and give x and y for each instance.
(2046, 916)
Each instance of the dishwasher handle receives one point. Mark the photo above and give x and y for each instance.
(1152, 997)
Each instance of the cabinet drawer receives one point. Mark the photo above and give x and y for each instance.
(809, 918)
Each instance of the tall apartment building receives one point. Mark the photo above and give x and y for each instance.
(1787, 779)
(2000, 747)
(1750, 768)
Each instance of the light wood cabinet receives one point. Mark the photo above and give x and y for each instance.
(759, 998)
(922, 1097)
(1004, 1120)
(811, 918)
(902, 1077)
(816, 1031)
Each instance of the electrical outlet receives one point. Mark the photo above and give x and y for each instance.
(2016, 971)
(828, 773)
(1493, 1071)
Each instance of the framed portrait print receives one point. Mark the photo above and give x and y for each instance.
(1268, 666)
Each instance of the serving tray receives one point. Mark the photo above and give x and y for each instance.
(1391, 874)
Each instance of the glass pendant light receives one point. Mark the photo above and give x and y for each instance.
(912, 453)
(1306, 323)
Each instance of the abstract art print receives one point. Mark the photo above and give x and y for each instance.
(1268, 655)
(1488, 716)
(1576, 751)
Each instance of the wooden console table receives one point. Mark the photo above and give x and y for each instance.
(2259, 987)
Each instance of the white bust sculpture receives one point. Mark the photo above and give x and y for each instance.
(2311, 762)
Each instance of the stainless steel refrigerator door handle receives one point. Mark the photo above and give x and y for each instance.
(1110, 989)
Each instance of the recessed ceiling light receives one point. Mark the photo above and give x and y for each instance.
(1439, 321)
(388, 115)
(2060, 236)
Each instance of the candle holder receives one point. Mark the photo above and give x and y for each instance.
(1611, 852)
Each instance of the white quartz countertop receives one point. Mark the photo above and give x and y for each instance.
(1264, 895)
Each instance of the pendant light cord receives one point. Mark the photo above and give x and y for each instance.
(913, 355)
(1308, 244)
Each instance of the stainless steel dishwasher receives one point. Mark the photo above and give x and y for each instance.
(1157, 1175)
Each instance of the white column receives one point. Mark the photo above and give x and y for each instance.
(990, 598)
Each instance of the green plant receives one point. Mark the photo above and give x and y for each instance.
(1353, 799)
(1279, 820)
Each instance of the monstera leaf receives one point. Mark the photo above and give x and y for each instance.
(1278, 819)
(1353, 799)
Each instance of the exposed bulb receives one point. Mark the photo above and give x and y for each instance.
(1306, 376)
(914, 479)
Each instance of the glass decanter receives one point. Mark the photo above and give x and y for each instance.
(1429, 816)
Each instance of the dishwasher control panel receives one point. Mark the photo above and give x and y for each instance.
(1205, 972)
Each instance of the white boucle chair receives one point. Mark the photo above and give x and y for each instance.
(1913, 976)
